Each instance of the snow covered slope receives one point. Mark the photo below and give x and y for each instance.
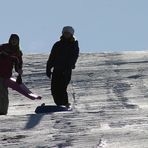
(109, 93)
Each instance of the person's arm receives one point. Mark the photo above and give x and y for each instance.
(18, 67)
(51, 59)
(19, 63)
(75, 54)
(2, 50)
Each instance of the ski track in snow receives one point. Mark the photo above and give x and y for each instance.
(109, 93)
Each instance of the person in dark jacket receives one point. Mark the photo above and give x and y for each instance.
(62, 59)
(10, 56)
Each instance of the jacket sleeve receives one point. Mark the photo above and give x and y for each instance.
(1, 48)
(75, 54)
(51, 59)
(19, 61)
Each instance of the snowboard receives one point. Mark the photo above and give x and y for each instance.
(46, 109)
(22, 89)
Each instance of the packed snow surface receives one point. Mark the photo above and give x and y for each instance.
(109, 95)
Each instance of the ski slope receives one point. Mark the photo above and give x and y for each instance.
(109, 94)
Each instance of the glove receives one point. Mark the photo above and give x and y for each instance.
(48, 73)
(19, 79)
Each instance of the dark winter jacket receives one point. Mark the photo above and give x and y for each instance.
(10, 56)
(64, 55)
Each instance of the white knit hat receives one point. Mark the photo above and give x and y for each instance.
(68, 29)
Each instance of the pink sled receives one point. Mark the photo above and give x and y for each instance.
(22, 89)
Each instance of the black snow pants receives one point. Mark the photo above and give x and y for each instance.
(59, 84)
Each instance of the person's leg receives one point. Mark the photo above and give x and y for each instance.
(4, 102)
(55, 87)
(65, 81)
(63, 93)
